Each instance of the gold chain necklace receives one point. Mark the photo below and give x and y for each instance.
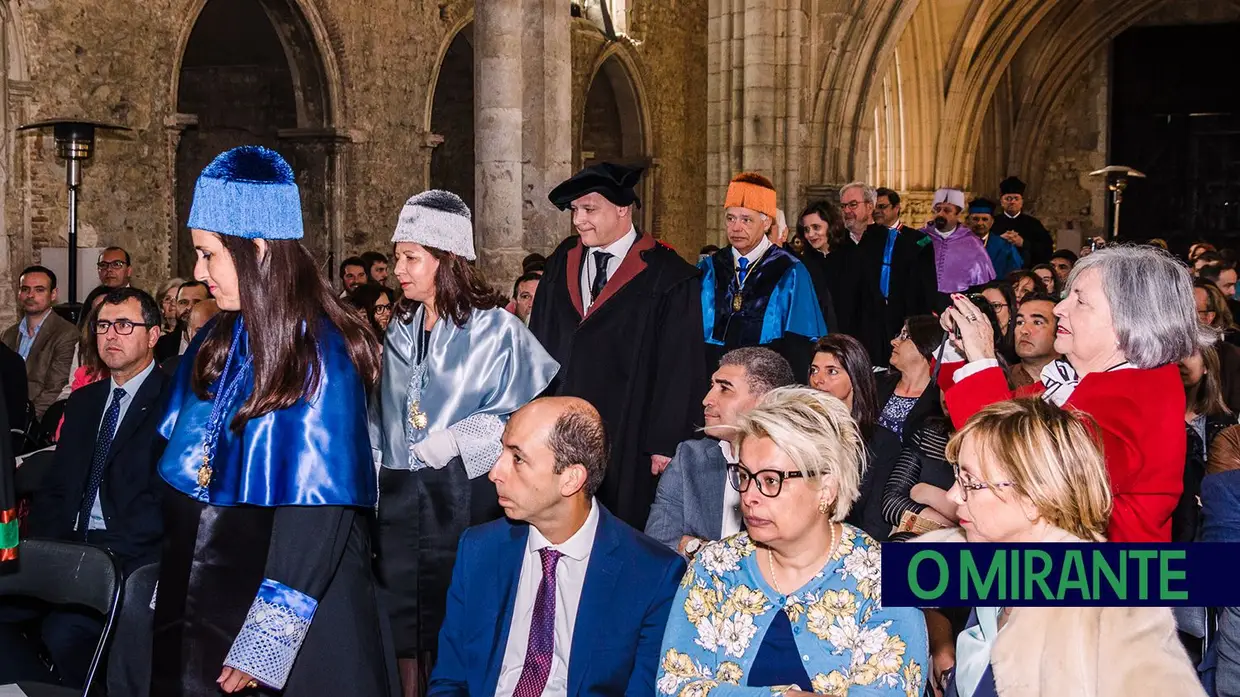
(770, 560)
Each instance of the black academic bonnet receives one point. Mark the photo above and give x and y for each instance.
(615, 183)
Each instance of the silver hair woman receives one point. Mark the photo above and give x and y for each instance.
(1127, 319)
(799, 580)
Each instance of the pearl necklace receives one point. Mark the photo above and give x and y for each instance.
(770, 560)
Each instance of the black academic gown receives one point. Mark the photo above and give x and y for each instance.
(912, 290)
(830, 274)
(1038, 245)
(637, 356)
(322, 550)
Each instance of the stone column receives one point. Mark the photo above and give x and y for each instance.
(754, 118)
(498, 81)
(547, 137)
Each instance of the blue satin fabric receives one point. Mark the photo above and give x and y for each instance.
(315, 453)
(793, 308)
(790, 308)
(493, 365)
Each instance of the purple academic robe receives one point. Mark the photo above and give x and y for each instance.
(960, 260)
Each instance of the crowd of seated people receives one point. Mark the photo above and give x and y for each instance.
(1086, 399)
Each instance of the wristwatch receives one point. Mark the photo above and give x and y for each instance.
(692, 547)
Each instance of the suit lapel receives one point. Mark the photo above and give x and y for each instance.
(138, 411)
(596, 608)
(572, 275)
(632, 265)
(711, 478)
(45, 335)
(511, 555)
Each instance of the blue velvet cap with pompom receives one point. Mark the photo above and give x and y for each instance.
(248, 192)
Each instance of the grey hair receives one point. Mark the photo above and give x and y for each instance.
(868, 193)
(1151, 298)
(765, 370)
(817, 432)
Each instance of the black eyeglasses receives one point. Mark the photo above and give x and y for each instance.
(123, 327)
(770, 482)
(383, 309)
(117, 265)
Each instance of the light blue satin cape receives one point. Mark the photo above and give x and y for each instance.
(473, 378)
(314, 453)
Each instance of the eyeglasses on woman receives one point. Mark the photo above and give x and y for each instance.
(770, 482)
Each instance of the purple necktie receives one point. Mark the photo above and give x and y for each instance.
(542, 631)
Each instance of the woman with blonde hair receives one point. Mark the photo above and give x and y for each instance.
(1027, 471)
(793, 600)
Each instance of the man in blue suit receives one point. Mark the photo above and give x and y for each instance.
(560, 599)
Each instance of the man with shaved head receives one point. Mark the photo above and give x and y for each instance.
(558, 575)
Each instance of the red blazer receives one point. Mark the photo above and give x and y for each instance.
(1141, 416)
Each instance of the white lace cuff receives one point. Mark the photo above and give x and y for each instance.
(478, 439)
(154, 593)
(274, 629)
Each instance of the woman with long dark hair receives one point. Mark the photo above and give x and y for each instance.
(377, 302)
(265, 583)
(455, 365)
(841, 368)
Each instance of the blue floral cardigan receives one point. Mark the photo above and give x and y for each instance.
(849, 643)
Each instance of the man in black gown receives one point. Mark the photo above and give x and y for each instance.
(623, 316)
(1020, 228)
(896, 277)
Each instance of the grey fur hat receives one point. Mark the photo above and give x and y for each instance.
(438, 219)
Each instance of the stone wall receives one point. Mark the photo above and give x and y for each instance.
(367, 130)
(1075, 144)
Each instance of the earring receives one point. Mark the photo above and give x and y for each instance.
(823, 508)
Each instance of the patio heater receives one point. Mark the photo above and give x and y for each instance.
(75, 144)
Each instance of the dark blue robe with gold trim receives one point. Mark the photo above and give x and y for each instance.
(779, 308)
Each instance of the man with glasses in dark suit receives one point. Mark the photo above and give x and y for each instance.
(103, 488)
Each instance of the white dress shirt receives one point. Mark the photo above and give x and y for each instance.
(131, 388)
(754, 254)
(731, 497)
(570, 575)
(618, 250)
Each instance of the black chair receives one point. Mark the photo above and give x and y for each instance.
(129, 661)
(67, 573)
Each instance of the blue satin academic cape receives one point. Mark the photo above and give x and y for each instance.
(314, 453)
(790, 308)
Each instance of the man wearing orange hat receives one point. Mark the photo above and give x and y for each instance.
(753, 292)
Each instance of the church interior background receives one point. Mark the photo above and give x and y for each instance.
(499, 100)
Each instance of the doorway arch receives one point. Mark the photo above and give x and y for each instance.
(251, 72)
(615, 126)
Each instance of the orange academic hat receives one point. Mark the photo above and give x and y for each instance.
(753, 191)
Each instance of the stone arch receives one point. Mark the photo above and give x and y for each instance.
(995, 32)
(851, 81)
(450, 114)
(259, 72)
(614, 122)
(1086, 30)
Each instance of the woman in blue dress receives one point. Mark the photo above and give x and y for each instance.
(792, 606)
(265, 585)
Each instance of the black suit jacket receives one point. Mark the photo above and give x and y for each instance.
(15, 388)
(927, 404)
(912, 290)
(169, 344)
(131, 489)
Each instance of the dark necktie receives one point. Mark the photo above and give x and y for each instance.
(103, 443)
(600, 274)
(541, 647)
